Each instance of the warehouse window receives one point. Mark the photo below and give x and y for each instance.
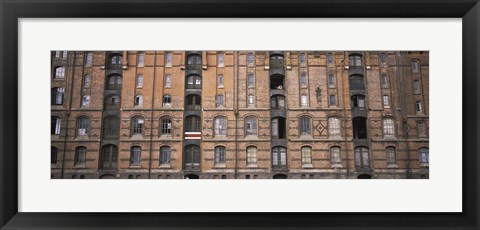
(358, 101)
(334, 126)
(306, 155)
(355, 60)
(220, 81)
(168, 60)
(167, 101)
(137, 125)
(251, 125)
(384, 80)
(335, 155)
(59, 72)
(109, 157)
(55, 125)
(356, 82)
(80, 155)
(194, 82)
(277, 102)
(194, 102)
(87, 81)
(251, 80)
(276, 62)
(418, 106)
(250, 58)
(305, 126)
(138, 101)
(53, 155)
(220, 126)
(330, 58)
(303, 101)
(165, 152)
(111, 126)
(423, 154)
(194, 61)
(303, 80)
(331, 81)
(57, 96)
(359, 127)
(251, 155)
(114, 82)
(251, 100)
(416, 87)
(279, 156)
(220, 157)
(390, 155)
(135, 155)
(278, 127)
(333, 100)
(302, 58)
(168, 81)
(83, 126)
(386, 101)
(166, 126)
(88, 59)
(112, 101)
(415, 66)
(220, 100)
(221, 61)
(383, 57)
(192, 124)
(139, 81)
(115, 62)
(85, 100)
(362, 159)
(141, 59)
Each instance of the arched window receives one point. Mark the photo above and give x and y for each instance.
(194, 102)
(168, 81)
(220, 59)
(167, 100)
(166, 126)
(305, 126)
(57, 96)
(306, 155)
(83, 126)
(53, 155)
(80, 155)
(358, 101)
(303, 80)
(85, 100)
(141, 59)
(250, 80)
(251, 125)
(251, 155)
(390, 155)
(423, 155)
(303, 101)
(356, 82)
(355, 60)
(386, 101)
(87, 81)
(138, 100)
(109, 157)
(88, 59)
(277, 102)
(59, 72)
(112, 101)
(250, 59)
(334, 126)
(139, 81)
(135, 155)
(194, 82)
(220, 155)
(279, 156)
(115, 62)
(137, 125)
(388, 126)
(383, 57)
(110, 127)
(335, 155)
(276, 61)
(192, 157)
(192, 124)
(55, 125)
(165, 155)
(220, 81)
(220, 126)
(194, 61)
(114, 82)
(277, 82)
(362, 159)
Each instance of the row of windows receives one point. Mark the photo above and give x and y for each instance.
(192, 124)
(279, 155)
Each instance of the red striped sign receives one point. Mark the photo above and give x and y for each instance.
(193, 135)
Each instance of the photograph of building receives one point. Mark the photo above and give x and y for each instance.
(239, 114)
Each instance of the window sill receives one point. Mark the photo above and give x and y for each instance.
(307, 166)
(251, 137)
(134, 167)
(306, 137)
(79, 166)
(392, 166)
(337, 165)
(165, 166)
(424, 165)
(219, 166)
(165, 136)
(137, 137)
(220, 137)
(251, 166)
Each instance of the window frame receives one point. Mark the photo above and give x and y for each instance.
(83, 122)
(388, 124)
(80, 155)
(139, 81)
(165, 155)
(334, 127)
(305, 126)
(336, 159)
(141, 59)
(220, 153)
(137, 127)
(59, 73)
(220, 126)
(251, 155)
(391, 155)
(306, 155)
(135, 155)
(166, 126)
(251, 126)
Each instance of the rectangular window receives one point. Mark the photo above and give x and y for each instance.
(422, 129)
(335, 152)
(334, 126)
(251, 126)
(388, 127)
(303, 101)
(383, 58)
(89, 59)
(139, 81)
(386, 101)
(221, 62)
(141, 59)
(251, 100)
(166, 126)
(250, 59)
(418, 106)
(168, 60)
(220, 81)
(251, 81)
(168, 81)
(86, 100)
(135, 155)
(303, 80)
(305, 127)
(220, 100)
(331, 81)
(330, 58)
(220, 126)
(390, 152)
(55, 125)
(384, 80)
(251, 155)
(220, 155)
(333, 100)
(306, 155)
(164, 155)
(415, 67)
(60, 72)
(302, 58)
(416, 86)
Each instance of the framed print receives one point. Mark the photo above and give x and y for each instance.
(147, 95)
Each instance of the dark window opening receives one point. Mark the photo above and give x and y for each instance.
(192, 157)
(114, 82)
(276, 61)
(356, 82)
(194, 61)
(192, 124)
(359, 128)
(277, 102)
(115, 62)
(194, 102)
(355, 60)
(110, 128)
(278, 128)
(109, 157)
(277, 82)
(358, 101)
(53, 155)
(194, 82)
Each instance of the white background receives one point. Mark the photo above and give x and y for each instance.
(441, 193)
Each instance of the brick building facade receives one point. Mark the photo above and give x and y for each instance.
(239, 114)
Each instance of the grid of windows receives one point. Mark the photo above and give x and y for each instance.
(80, 155)
(220, 157)
(388, 126)
(135, 155)
(306, 155)
(251, 155)
(305, 126)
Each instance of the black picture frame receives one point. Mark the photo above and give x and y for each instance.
(12, 10)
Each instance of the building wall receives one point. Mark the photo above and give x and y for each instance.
(410, 125)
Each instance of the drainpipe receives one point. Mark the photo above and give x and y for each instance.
(151, 115)
(342, 70)
(235, 107)
(68, 115)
